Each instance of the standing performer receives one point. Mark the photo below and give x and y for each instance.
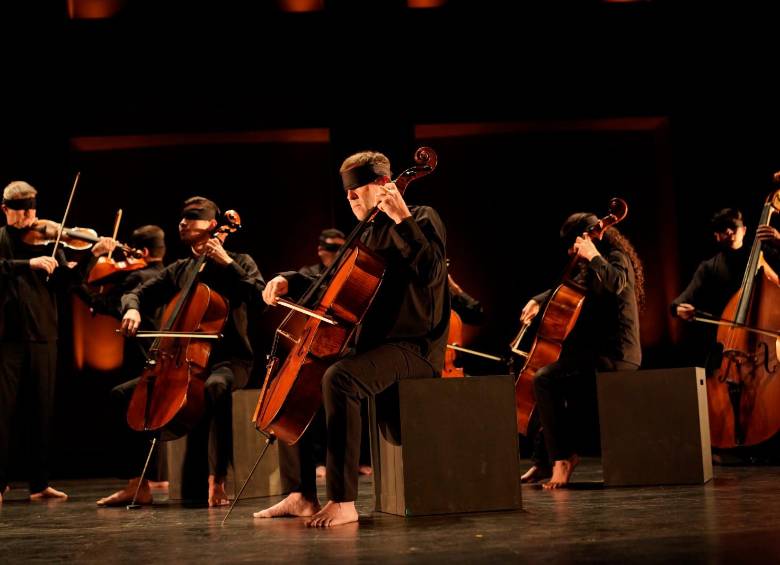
(235, 277)
(403, 335)
(605, 338)
(28, 335)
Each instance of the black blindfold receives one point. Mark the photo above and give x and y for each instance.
(20, 203)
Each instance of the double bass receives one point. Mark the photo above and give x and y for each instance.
(169, 396)
(743, 393)
(313, 337)
(558, 319)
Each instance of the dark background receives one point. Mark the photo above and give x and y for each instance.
(536, 111)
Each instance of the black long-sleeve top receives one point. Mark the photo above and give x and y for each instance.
(608, 324)
(28, 303)
(412, 305)
(715, 281)
(240, 283)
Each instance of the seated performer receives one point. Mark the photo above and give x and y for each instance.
(402, 336)
(28, 335)
(605, 338)
(235, 277)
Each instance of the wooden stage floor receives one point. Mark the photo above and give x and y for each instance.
(734, 518)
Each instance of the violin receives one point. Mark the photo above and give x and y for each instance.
(44, 232)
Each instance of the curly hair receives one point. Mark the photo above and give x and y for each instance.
(617, 240)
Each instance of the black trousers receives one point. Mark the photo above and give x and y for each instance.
(27, 380)
(565, 403)
(132, 446)
(344, 385)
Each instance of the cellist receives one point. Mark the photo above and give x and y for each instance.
(605, 338)
(236, 277)
(403, 335)
(28, 334)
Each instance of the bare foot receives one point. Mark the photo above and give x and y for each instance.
(320, 471)
(334, 514)
(5, 490)
(295, 504)
(561, 473)
(217, 494)
(535, 474)
(365, 470)
(125, 496)
(49, 493)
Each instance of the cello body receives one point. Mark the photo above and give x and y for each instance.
(169, 395)
(454, 337)
(293, 394)
(743, 393)
(559, 317)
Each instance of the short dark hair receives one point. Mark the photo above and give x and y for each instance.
(152, 237)
(725, 219)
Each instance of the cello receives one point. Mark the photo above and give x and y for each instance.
(169, 396)
(454, 337)
(311, 339)
(558, 319)
(743, 392)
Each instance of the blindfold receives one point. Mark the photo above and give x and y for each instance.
(198, 212)
(20, 203)
(360, 176)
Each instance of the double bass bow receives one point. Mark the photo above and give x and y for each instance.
(313, 336)
(743, 392)
(558, 319)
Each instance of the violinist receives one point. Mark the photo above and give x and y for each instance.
(719, 277)
(605, 338)
(403, 335)
(235, 277)
(28, 333)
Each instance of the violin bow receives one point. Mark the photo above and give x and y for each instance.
(117, 220)
(65, 216)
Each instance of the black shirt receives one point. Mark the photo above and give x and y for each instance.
(715, 281)
(468, 308)
(608, 324)
(28, 304)
(412, 305)
(240, 283)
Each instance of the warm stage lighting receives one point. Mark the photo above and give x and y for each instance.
(93, 9)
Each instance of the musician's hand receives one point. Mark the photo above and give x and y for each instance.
(392, 203)
(529, 312)
(104, 246)
(130, 322)
(216, 252)
(585, 248)
(768, 234)
(275, 288)
(43, 263)
(685, 311)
